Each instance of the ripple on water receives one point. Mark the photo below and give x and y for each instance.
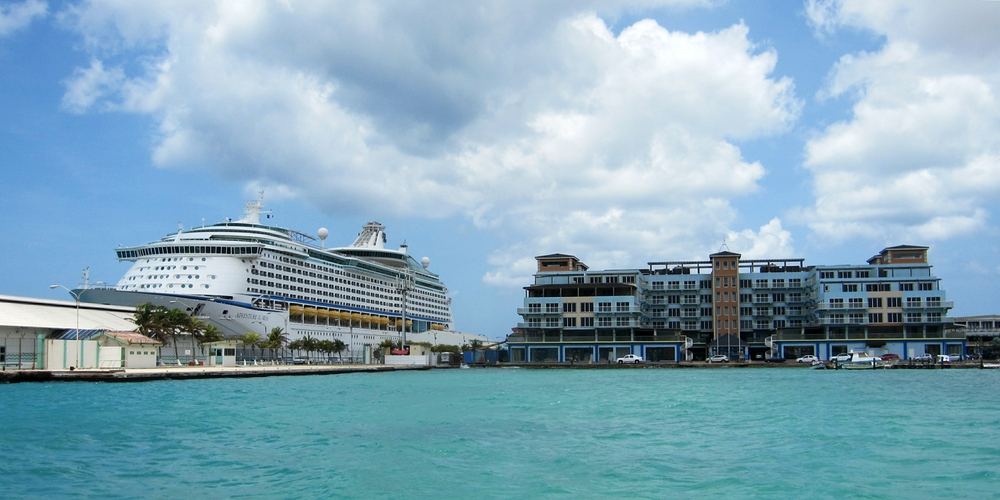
(511, 434)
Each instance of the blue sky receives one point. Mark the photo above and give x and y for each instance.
(485, 133)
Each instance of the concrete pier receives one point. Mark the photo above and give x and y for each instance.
(190, 372)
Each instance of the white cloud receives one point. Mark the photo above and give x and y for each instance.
(87, 85)
(770, 241)
(919, 156)
(15, 16)
(536, 121)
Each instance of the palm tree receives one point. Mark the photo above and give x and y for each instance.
(211, 333)
(309, 344)
(475, 345)
(250, 339)
(150, 321)
(277, 338)
(338, 347)
(295, 345)
(174, 323)
(325, 347)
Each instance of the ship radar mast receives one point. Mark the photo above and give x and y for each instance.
(253, 210)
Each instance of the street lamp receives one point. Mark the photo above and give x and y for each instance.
(403, 286)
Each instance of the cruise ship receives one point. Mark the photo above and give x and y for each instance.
(245, 276)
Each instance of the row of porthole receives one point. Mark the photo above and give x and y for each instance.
(174, 259)
(171, 285)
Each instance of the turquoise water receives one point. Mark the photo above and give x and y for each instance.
(510, 433)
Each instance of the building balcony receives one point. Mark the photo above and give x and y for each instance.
(523, 311)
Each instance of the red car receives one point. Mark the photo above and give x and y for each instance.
(887, 357)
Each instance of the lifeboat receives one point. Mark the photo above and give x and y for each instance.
(382, 320)
(366, 318)
(296, 310)
(355, 316)
(333, 315)
(310, 312)
(323, 313)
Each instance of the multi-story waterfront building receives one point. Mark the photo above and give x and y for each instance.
(746, 308)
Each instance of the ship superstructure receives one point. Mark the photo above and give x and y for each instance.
(245, 276)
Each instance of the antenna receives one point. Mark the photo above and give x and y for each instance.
(724, 245)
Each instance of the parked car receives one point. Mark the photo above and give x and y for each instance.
(943, 358)
(719, 358)
(775, 359)
(808, 358)
(841, 358)
(889, 356)
(630, 358)
(925, 357)
(299, 361)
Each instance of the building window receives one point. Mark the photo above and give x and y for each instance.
(690, 312)
(760, 283)
(844, 274)
(934, 317)
(622, 307)
(690, 299)
(837, 303)
(657, 285)
(659, 324)
(706, 311)
(690, 285)
(778, 283)
(855, 303)
(762, 298)
(763, 324)
(795, 311)
(535, 308)
(778, 297)
(534, 322)
(569, 322)
(746, 324)
(674, 285)
(718, 282)
(588, 322)
(906, 287)
(779, 311)
(779, 323)
(604, 321)
(622, 321)
(657, 299)
(893, 302)
(763, 311)
(552, 307)
(874, 317)
(673, 299)
(856, 318)
(794, 282)
(674, 312)
(913, 302)
(795, 297)
(895, 317)
(875, 303)
(933, 301)
(628, 279)
(690, 325)
(850, 287)
(604, 307)
(746, 311)
(837, 318)
(552, 322)
(746, 298)
(569, 307)
(826, 275)
(795, 323)
(586, 307)
(925, 286)
(913, 317)
(862, 274)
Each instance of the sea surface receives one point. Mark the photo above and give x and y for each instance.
(510, 433)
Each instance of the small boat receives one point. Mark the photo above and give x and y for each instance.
(862, 361)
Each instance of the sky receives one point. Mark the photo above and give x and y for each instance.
(483, 134)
